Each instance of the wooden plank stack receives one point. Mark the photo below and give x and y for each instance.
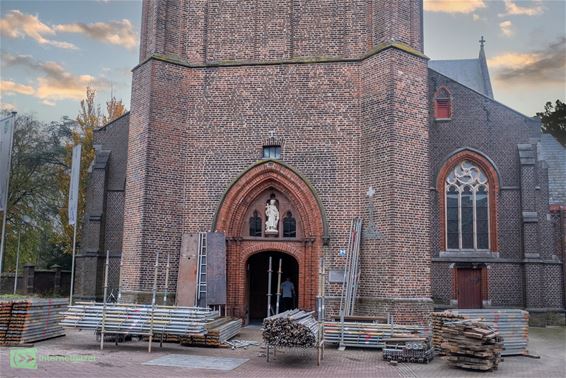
(512, 325)
(30, 320)
(438, 320)
(471, 344)
(293, 328)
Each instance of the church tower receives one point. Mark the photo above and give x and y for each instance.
(338, 89)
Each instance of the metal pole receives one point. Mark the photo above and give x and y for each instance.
(269, 271)
(343, 297)
(119, 300)
(356, 270)
(104, 300)
(199, 265)
(279, 285)
(5, 216)
(73, 265)
(166, 281)
(17, 259)
(153, 295)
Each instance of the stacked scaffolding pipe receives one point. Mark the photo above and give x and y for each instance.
(30, 320)
(367, 335)
(219, 332)
(139, 319)
(512, 325)
(351, 272)
(293, 328)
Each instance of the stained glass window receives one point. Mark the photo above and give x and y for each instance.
(467, 208)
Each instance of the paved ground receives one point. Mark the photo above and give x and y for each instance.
(127, 360)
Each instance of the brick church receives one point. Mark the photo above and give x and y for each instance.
(273, 124)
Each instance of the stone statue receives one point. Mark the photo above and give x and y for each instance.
(272, 217)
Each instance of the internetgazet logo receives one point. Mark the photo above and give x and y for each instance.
(26, 358)
(23, 358)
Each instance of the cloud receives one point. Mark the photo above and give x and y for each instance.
(506, 28)
(512, 9)
(119, 33)
(546, 66)
(54, 82)
(8, 87)
(453, 6)
(6, 107)
(20, 25)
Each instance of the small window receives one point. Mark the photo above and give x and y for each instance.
(289, 226)
(271, 152)
(255, 224)
(442, 105)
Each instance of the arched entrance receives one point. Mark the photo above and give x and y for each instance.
(243, 218)
(258, 278)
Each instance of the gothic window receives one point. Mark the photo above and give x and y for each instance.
(289, 226)
(467, 208)
(442, 104)
(271, 152)
(255, 224)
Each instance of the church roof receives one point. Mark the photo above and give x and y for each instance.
(465, 71)
(473, 73)
(554, 153)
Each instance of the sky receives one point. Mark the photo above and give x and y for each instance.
(50, 50)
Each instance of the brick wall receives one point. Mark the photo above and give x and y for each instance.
(246, 30)
(104, 218)
(495, 131)
(194, 129)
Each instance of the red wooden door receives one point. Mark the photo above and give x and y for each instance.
(469, 288)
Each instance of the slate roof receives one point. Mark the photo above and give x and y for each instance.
(465, 71)
(472, 73)
(554, 154)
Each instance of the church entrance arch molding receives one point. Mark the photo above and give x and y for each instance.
(251, 188)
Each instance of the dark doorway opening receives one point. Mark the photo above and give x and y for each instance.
(257, 268)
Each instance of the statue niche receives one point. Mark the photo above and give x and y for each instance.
(271, 217)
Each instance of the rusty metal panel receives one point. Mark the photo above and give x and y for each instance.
(187, 278)
(216, 268)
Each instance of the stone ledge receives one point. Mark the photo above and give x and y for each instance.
(469, 255)
(297, 60)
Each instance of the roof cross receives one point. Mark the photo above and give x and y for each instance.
(371, 192)
(482, 41)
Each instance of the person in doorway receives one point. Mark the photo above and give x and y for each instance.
(288, 294)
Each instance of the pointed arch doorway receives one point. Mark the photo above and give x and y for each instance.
(258, 282)
(243, 219)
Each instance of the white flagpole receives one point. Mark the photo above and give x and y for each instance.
(5, 199)
(73, 264)
(74, 186)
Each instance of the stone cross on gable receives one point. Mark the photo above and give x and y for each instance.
(371, 231)
(371, 192)
(272, 134)
(482, 41)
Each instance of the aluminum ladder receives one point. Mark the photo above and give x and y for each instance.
(201, 274)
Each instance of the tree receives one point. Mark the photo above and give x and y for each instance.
(89, 119)
(554, 120)
(115, 109)
(37, 155)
